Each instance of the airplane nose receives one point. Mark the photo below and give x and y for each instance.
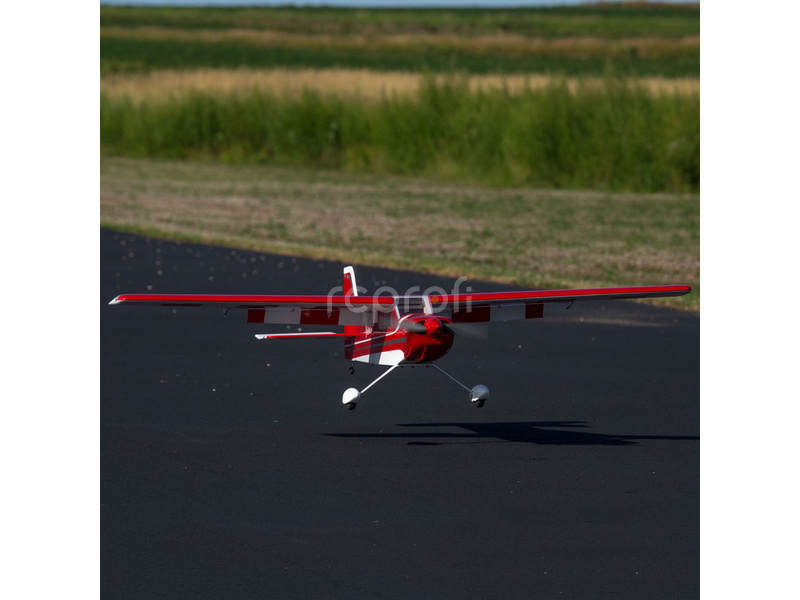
(433, 327)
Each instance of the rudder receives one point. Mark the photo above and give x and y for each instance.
(350, 289)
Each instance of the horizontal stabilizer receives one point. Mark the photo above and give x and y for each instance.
(269, 336)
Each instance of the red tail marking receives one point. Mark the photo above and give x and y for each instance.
(353, 332)
(348, 285)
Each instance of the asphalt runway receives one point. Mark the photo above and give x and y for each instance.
(230, 469)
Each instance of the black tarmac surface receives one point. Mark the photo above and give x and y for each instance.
(230, 468)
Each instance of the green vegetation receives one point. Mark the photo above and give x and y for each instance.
(531, 238)
(615, 136)
(611, 136)
(606, 20)
(634, 39)
(121, 55)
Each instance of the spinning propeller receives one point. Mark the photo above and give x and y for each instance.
(433, 326)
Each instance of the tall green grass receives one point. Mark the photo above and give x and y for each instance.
(132, 55)
(615, 136)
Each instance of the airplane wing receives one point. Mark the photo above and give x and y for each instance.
(479, 307)
(239, 301)
(288, 310)
(506, 306)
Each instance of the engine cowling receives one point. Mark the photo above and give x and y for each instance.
(428, 339)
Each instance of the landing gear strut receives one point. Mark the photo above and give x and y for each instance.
(477, 395)
(351, 396)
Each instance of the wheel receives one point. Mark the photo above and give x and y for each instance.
(479, 395)
(350, 398)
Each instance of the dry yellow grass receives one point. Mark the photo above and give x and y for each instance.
(368, 85)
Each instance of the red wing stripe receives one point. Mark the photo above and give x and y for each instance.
(358, 303)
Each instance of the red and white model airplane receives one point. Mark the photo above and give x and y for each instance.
(396, 331)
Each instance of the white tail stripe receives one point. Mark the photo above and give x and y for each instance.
(390, 357)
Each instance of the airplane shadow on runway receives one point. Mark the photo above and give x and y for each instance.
(532, 432)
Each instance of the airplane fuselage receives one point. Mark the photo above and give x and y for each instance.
(414, 339)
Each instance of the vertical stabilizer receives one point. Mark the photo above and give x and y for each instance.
(350, 288)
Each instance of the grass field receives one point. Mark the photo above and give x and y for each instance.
(601, 96)
(641, 40)
(550, 147)
(531, 238)
(606, 20)
(610, 136)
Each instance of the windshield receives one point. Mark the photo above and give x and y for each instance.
(410, 304)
